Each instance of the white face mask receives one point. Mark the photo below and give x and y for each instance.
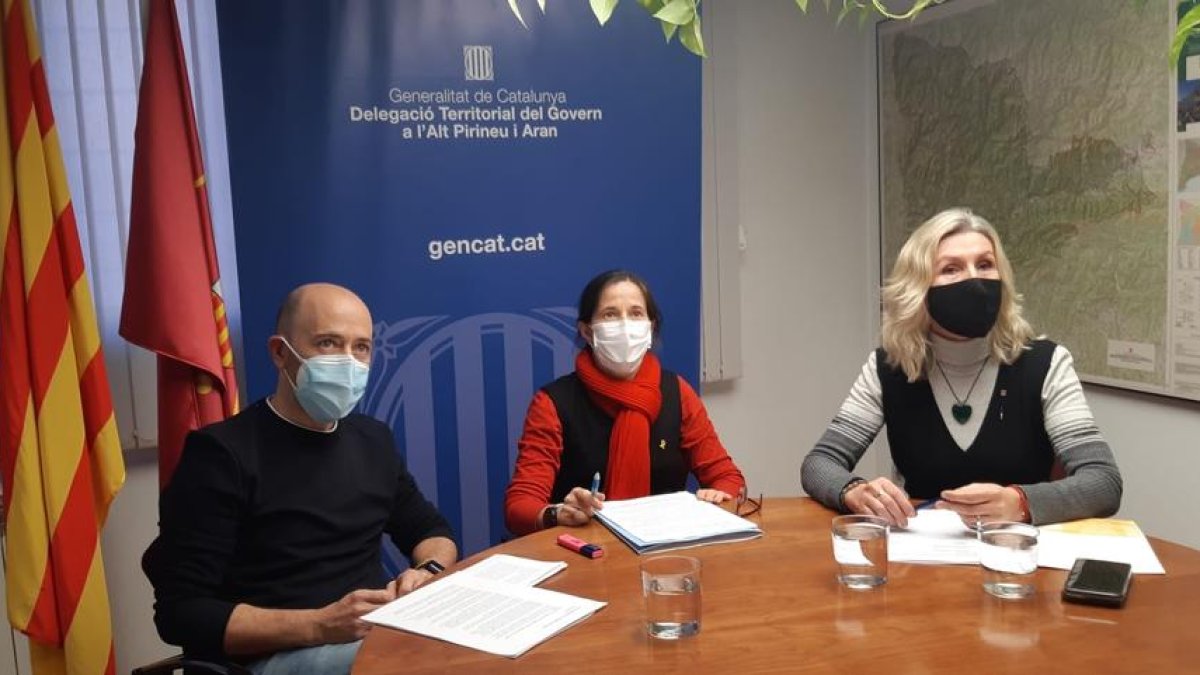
(620, 346)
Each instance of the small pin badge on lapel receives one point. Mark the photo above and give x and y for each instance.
(662, 444)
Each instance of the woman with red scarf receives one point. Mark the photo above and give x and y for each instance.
(620, 414)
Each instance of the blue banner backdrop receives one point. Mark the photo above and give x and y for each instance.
(466, 176)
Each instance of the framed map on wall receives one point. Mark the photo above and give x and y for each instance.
(1055, 121)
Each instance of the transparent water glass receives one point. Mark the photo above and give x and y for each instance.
(860, 548)
(1008, 556)
(671, 586)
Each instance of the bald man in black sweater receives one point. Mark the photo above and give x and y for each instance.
(268, 551)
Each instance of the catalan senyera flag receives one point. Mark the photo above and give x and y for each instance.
(59, 451)
(173, 304)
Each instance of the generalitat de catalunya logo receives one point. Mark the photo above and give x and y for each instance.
(477, 63)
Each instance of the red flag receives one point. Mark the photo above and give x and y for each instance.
(60, 456)
(173, 303)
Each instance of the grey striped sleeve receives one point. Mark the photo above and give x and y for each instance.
(827, 467)
(1092, 486)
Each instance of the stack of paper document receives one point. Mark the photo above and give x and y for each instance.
(513, 569)
(673, 521)
(491, 606)
(934, 536)
(939, 536)
(1099, 538)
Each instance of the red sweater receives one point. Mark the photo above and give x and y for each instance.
(540, 449)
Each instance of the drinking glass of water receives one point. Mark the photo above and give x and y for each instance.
(860, 547)
(671, 585)
(1008, 554)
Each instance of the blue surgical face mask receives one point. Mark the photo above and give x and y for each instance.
(328, 386)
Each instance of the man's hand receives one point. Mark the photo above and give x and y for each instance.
(341, 621)
(408, 581)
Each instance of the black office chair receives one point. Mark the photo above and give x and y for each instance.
(190, 666)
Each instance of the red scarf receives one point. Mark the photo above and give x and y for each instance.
(634, 405)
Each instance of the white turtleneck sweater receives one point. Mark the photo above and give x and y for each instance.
(961, 362)
(1093, 483)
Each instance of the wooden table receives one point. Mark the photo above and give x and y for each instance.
(773, 605)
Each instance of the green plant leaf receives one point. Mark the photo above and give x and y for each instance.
(679, 12)
(668, 29)
(512, 4)
(1187, 27)
(603, 10)
(803, 5)
(916, 8)
(846, 7)
(652, 6)
(863, 16)
(689, 37)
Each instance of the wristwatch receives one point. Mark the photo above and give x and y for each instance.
(432, 566)
(550, 516)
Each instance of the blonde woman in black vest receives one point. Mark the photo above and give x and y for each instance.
(981, 415)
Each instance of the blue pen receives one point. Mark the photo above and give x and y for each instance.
(928, 503)
(595, 484)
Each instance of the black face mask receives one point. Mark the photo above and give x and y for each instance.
(967, 308)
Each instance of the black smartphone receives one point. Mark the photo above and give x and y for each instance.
(1098, 582)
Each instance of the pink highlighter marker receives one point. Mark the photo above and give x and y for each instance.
(580, 546)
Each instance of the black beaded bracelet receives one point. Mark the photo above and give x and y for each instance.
(854, 482)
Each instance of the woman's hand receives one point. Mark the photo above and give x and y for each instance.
(714, 496)
(980, 502)
(880, 497)
(578, 507)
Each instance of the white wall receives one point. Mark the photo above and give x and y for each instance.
(1157, 444)
(805, 172)
(132, 525)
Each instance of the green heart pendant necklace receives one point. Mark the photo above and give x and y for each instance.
(961, 410)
